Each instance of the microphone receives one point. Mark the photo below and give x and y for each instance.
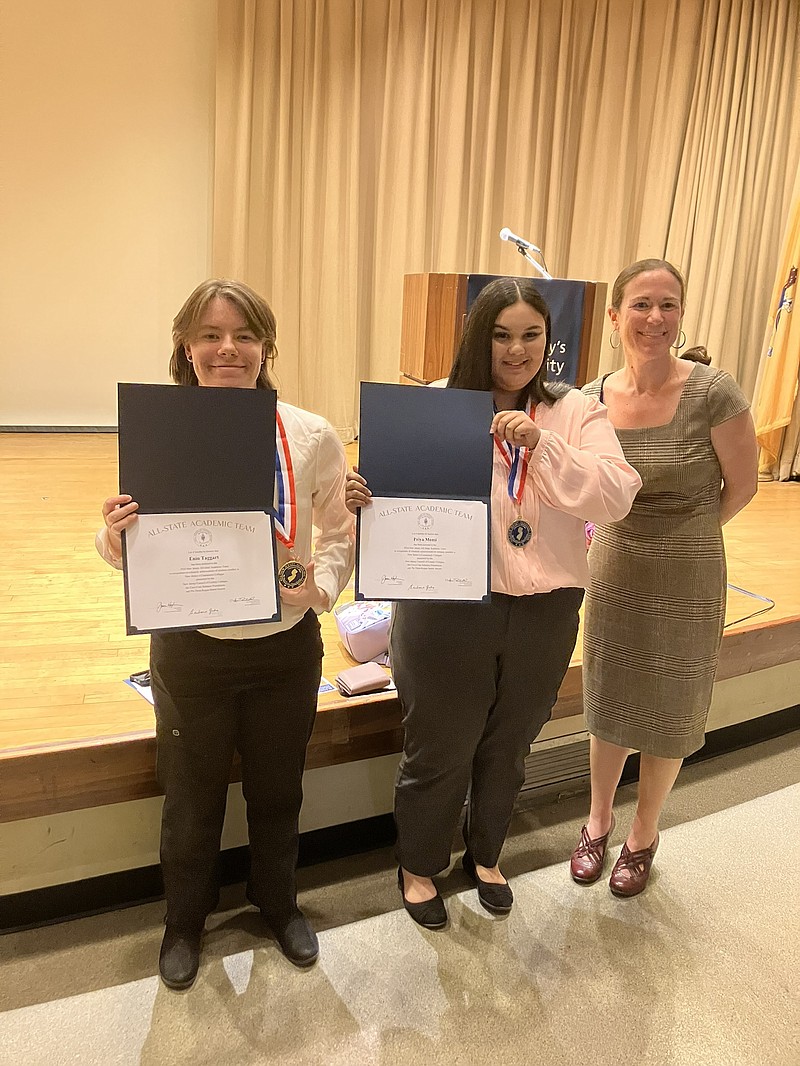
(507, 235)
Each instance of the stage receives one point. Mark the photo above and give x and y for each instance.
(74, 736)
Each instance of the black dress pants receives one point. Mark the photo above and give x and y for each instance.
(211, 697)
(477, 682)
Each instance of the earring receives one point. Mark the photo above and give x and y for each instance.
(678, 346)
(611, 339)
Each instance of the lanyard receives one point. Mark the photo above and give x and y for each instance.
(516, 459)
(286, 521)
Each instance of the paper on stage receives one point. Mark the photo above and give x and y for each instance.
(201, 570)
(424, 549)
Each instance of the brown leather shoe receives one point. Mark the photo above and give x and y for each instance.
(589, 858)
(632, 870)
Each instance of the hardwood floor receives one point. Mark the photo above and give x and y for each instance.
(62, 632)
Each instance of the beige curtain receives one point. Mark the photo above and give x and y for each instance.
(359, 140)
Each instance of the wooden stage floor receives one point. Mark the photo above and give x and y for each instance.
(65, 653)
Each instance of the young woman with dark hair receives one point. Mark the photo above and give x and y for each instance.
(478, 681)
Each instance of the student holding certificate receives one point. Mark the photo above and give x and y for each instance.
(251, 687)
(477, 681)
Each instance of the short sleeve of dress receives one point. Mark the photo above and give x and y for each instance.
(725, 399)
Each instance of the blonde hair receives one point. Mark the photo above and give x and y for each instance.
(255, 310)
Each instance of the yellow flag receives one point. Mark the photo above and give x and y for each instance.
(780, 364)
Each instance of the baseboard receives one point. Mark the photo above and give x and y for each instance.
(58, 429)
(129, 888)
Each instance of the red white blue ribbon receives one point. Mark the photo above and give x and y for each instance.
(516, 459)
(286, 507)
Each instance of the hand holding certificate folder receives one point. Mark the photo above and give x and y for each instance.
(426, 455)
(200, 463)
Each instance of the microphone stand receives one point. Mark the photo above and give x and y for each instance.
(526, 255)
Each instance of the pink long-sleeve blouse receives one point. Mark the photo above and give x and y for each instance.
(576, 474)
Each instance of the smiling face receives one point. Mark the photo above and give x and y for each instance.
(649, 314)
(518, 343)
(223, 349)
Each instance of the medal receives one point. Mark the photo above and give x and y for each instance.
(520, 532)
(292, 574)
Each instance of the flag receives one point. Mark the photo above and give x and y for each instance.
(777, 385)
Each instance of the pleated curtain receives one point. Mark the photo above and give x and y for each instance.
(359, 140)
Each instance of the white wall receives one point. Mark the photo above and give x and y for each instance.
(106, 141)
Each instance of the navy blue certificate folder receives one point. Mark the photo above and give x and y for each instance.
(425, 442)
(185, 449)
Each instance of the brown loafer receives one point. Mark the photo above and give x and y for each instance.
(632, 870)
(589, 858)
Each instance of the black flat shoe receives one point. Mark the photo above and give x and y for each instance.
(431, 914)
(499, 899)
(179, 958)
(296, 939)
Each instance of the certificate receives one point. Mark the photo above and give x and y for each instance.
(426, 455)
(423, 549)
(200, 570)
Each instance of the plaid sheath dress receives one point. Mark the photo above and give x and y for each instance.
(656, 604)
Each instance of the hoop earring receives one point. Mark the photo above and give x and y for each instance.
(679, 346)
(611, 339)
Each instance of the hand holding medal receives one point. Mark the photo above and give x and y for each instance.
(515, 435)
(517, 428)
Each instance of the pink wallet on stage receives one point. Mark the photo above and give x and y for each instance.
(358, 680)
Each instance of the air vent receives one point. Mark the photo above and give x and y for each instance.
(553, 761)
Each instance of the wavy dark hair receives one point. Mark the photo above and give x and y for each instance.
(255, 310)
(472, 368)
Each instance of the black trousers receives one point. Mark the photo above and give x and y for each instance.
(211, 697)
(477, 682)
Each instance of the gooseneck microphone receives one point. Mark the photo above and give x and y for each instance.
(507, 235)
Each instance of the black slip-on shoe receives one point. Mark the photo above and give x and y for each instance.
(499, 899)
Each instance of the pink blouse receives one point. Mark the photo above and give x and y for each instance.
(576, 474)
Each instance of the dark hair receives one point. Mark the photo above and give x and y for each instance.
(472, 368)
(255, 310)
(642, 266)
(698, 354)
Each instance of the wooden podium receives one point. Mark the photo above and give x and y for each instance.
(434, 306)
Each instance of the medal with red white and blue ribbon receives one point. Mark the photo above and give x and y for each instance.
(519, 533)
(292, 574)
